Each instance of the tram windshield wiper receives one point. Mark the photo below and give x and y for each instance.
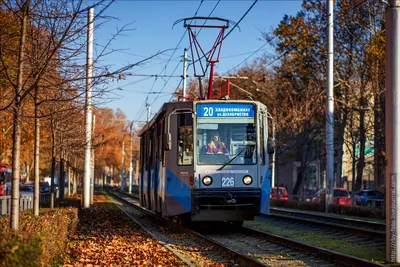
(232, 159)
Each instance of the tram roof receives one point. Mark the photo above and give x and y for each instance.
(171, 106)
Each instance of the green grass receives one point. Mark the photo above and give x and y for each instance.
(322, 241)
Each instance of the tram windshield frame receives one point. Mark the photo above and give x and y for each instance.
(236, 142)
(226, 133)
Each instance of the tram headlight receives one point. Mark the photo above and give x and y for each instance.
(247, 180)
(207, 180)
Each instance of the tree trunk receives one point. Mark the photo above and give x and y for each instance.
(379, 142)
(69, 177)
(379, 127)
(53, 167)
(361, 160)
(61, 176)
(36, 196)
(14, 218)
(75, 178)
(299, 181)
(339, 147)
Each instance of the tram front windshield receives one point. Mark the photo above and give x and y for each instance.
(226, 143)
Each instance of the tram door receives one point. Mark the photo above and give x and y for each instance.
(155, 169)
(264, 143)
(142, 168)
(157, 164)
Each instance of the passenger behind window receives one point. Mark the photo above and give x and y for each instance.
(216, 146)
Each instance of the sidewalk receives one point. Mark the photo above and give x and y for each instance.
(107, 237)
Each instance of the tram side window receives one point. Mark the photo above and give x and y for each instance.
(149, 148)
(160, 141)
(145, 151)
(185, 139)
(142, 153)
(155, 147)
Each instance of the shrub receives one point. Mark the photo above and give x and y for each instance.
(359, 211)
(40, 240)
(350, 210)
(311, 206)
(289, 204)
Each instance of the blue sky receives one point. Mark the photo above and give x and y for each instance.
(152, 31)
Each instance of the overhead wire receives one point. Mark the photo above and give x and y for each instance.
(268, 42)
(165, 67)
(215, 6)
(236, 25)
(252, 54)
(223, 38)
(209, 15)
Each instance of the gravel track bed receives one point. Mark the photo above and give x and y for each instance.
(277, 255)
(370, 242)
(195, 252)
(362, 223)
(257, 247)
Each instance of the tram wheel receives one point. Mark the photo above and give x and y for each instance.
(237, 223)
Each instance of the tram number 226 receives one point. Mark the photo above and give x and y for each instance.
(228, 181)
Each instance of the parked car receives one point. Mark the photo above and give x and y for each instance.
(283, 193)
(26, 190)
(369, 198)
(44, 187)
(8, 188)
(340, 196)
(2, 187)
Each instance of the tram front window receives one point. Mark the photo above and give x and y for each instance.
(222, 143)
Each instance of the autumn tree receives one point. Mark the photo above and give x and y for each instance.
(301, 45)
(63, 24)
(299, 86)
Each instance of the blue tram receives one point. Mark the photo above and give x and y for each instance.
(206, 161)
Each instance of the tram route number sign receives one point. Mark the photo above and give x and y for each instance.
(213, 110)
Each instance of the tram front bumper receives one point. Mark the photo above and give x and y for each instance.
(225, 204)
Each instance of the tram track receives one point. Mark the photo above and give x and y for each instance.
(274, 250)
(271, 248)
(371, 226)
(345, 228)
(187, 245)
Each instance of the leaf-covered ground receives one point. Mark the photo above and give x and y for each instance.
(107, 237)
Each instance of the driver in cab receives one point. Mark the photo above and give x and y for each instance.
(216, 146)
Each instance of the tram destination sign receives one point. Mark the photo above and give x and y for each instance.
(214, 110)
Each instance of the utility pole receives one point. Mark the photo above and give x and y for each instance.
(329, 142)
(88, 110)
(184, 74)
(92, 163)
(137, 171)
(392, 18)
(122, 169)
(148, 111)
(130, 159)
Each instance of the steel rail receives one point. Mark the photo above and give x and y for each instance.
(343, 259)
(354, 222)
(241, 258)
(344, 228)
